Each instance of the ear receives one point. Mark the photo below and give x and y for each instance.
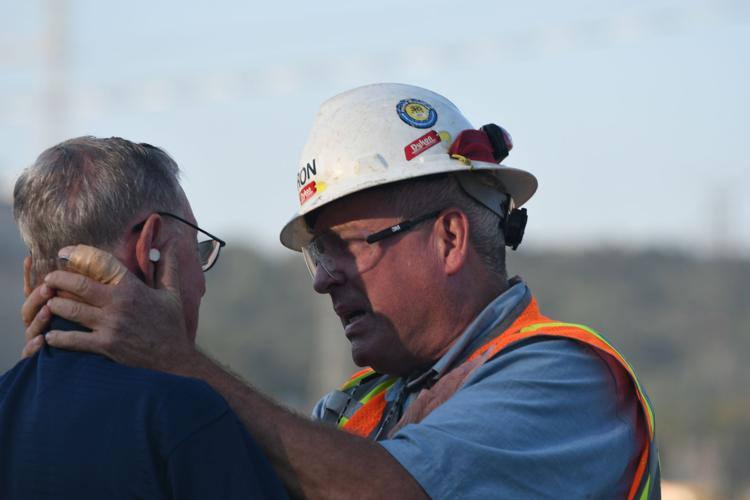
(148, 238)
(452, 236)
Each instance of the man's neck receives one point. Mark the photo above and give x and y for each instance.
(459, 309)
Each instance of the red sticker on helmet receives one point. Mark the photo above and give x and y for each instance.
(419, 146)
(307, 191)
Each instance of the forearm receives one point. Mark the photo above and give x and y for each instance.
(140, 326)
(313, 461)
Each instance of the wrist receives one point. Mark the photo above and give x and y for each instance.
(186, 361)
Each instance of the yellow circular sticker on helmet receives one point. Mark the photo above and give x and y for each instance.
(416, 113)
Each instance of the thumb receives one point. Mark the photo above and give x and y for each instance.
(168, 272)
(96, 264)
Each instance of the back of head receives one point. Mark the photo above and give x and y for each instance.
(87, 190)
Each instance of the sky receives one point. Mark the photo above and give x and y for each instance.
(632, 114)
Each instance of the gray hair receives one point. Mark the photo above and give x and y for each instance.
(86, 190)
(415, 197)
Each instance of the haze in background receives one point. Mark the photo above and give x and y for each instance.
(633, 115)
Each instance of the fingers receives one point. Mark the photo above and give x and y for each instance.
(94, 263)
(34, 302)
(81, 286)
(39, 324)
(74, 311)
(26, 276)
(32, 346)
(75, 341)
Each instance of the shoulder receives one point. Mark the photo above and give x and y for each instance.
(550, 380)
(171, 391)
(180, 406)
(540, 358)
(538, 375)
(531, 420)
(86, 395)
(171, 407)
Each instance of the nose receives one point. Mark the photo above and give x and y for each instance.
(323, 280)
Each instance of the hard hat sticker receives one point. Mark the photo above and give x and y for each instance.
(306, 185)
(419, 146)
(416, 113)
(308, 190)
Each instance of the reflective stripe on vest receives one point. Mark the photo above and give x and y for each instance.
(530, 323)
(648, 462)
(374, 397)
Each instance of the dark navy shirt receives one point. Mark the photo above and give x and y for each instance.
(77, 425)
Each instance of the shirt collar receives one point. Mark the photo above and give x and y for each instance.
(491, 316)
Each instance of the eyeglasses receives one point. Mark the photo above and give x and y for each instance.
(208, 249)
(332, 252)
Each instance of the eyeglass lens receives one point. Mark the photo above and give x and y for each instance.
(329, 250)
(208, 251)
(332, 253)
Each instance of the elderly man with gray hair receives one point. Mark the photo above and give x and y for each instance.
(77, 425)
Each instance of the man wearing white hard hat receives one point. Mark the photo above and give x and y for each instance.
(467, 389)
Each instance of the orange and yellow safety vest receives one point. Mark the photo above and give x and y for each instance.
(368, 413)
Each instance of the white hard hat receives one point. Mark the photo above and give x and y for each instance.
(383, 133)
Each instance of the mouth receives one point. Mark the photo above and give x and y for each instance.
(350, 310)
(352, 317)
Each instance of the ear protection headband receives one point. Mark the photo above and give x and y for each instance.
(491, 144)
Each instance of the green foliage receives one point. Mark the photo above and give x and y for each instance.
(683, 323)
(257, 317)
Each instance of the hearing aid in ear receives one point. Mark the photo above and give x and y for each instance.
(154, 255)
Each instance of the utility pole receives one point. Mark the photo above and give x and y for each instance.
(722, 244)
(331, 354)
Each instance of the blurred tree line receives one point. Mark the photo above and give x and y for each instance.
(683, 322)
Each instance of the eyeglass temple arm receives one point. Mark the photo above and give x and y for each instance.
(222, 243)
(400, 227)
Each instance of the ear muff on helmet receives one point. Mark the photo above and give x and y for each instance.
(515, 224)
(491, 143)
(516, 219)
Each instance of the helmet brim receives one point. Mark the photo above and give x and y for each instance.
(520, 184)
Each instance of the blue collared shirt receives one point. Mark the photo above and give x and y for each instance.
(541, 420)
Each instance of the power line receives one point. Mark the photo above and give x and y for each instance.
(286, 78)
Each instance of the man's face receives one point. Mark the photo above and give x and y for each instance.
(384, 308)
(192, 280)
